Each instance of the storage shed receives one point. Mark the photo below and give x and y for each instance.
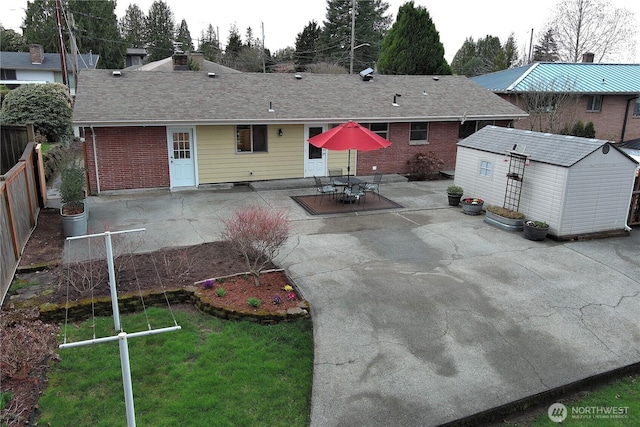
(581, 187)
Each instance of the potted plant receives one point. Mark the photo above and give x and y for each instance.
(455, 194)
(535, 230)
(506, 219)
(472, 205)
(72, 195)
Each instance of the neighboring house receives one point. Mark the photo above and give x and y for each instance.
(558, 95)
(579, 186)
(134, 57)
(188, 129)
(180, 62)
(36, 66)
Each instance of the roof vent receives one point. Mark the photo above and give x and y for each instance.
(436, 78)
(211, 75)
(367, 74)
(298, 76)
(116, 73)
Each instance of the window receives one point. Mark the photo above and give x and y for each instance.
(485, 168)
(470, 127)
(594, 102)
(381, 129)
(251, 138)
(419, 133)
(636, 109)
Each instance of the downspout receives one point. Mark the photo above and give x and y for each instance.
(95, 159)
(626, 117)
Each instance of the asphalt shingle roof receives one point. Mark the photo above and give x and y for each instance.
(51, 61)
(560, 150)
(587, 78)
(190, 97)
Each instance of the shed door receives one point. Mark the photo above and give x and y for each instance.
(181, 157)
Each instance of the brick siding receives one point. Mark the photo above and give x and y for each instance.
(129, 157)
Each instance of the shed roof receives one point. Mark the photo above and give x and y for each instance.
(50, 62)
(560, 150)
(587, 78)
(192, 97)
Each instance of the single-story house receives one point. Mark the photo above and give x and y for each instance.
(558, 95)
(36, 66)
(188, 129)
(579, 186)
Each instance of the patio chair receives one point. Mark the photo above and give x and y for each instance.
(335, 173)
(323, 189)
(374, 186)
(357, 192)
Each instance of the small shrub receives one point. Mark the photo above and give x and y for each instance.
(504, 212)
(537, 224)
(254, 302)
(221, 292)
(424, 166)
(208, 284)
(454, 189)
(221, 280)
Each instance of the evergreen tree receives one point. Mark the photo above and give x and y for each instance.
(234, 44)
(11, 41)
(371, 25)
(132, 27)
(547, 49)
(413, 45)
(183, 36)
(160, 31)
(306, 43)
(248, 36)
(96, 30)
(484, 56)
(209, 45)
(40, 25)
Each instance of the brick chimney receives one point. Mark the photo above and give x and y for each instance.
(37, 53)
(180, 61)
(587, 57)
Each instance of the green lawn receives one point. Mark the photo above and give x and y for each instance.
(211, 372)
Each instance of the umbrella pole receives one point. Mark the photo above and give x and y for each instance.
(349, 165)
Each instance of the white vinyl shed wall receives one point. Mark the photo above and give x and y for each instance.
(591, 195)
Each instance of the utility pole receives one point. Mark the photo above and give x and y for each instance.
(74, 50)
(264, 70)
(353, 34)
(63, 56)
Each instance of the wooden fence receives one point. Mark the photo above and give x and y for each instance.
(22, 194)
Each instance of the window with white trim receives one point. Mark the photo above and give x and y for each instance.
(419, 133)
(381, 129)
(594, 103)
(251, 138)
(485, 168)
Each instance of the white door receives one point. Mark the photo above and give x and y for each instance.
(181, 157)
(315, 159)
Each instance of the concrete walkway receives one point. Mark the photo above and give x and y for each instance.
(424, 315)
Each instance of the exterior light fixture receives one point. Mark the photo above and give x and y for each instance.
(280, 133)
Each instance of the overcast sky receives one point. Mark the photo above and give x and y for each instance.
(284, 19)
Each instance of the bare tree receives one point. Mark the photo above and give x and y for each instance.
(594, 26)
(551, 105)
(257, 233)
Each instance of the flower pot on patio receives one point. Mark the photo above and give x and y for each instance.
(74, 208)
(472, 205)
(454, 193)
(535, 230)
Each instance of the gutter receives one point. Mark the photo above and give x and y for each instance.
(95, 159)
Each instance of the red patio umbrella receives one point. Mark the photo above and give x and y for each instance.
(349, 136)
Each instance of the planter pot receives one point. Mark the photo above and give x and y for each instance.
(75, 224)
(471, 208)
(502, 222)
(454, 199)
(535, 233)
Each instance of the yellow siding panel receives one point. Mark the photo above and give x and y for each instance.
(218, 161)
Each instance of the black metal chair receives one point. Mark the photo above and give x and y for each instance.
(374, 186)
(323, 189)
(356, 192)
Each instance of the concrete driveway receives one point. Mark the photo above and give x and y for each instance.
(424, 315)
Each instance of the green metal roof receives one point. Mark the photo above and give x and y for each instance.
(586, 78)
